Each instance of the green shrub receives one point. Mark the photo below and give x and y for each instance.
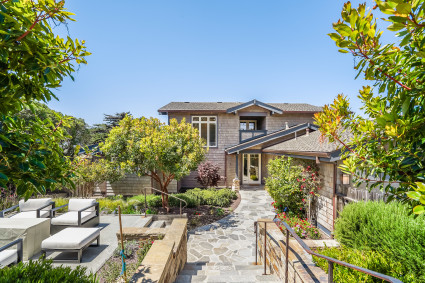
(214, 197)
(43, 271)
(151, 199)
(385, 228)
(191, 202)
(60, 202)
(375, 261)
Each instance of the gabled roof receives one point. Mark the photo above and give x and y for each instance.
(309, 145)
(225, 106)
(256, 103)
(275, 136)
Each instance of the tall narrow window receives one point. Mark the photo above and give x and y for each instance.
(207, 127)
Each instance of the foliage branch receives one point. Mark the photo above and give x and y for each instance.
(387, 146)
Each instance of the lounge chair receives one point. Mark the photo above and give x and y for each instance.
(71, 240)
(81, 213)
(32, 208)
(10, 256)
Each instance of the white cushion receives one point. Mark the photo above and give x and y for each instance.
(8, 257)
(34, 204)
(77, 204)
(71, 218)
(31, 214)
(71, 238)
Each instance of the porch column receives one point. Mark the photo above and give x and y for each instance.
(237, 165)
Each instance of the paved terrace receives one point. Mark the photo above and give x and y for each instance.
(94, 257)
(225, 250)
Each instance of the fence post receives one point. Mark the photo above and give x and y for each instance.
(330, 272)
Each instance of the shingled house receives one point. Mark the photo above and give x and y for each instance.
(243, 137)
(237, 133)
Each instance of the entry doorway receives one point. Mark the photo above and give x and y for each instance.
(251, 169)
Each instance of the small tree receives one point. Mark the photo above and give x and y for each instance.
(208, 175)
(149, 147)
(90, 173)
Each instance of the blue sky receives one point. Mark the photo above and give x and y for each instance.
(148, 53)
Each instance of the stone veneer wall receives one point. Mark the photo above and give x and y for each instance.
(167, 257)
(301, 267)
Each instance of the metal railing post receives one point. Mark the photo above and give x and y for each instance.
(330, 271)
(146, 203)
(287, 256)
(180, 208)
(256, 241)
(265, 247)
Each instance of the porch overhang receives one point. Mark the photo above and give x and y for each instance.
(269, 138)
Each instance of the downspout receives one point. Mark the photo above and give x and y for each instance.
(334, 199)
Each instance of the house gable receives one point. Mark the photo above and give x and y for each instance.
(254, 102)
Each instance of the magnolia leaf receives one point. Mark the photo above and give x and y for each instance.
(413, 195)
(404, 8)
(419, 209)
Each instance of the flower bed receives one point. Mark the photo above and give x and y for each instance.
(303, 228)
(134, 251)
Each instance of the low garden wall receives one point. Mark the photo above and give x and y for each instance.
(167, 257)
(301, 266)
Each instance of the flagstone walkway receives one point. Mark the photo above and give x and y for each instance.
(224, 251)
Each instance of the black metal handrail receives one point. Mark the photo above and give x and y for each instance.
(181, 200)
(331, 261)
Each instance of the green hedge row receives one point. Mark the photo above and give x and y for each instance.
(44, 271)
(382, 237)
(194, 198)
(376, 261)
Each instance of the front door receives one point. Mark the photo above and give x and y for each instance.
(251, 169)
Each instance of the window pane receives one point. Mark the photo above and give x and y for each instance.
(195, 118)
(196, 125)
(204, 118)
(204, 131)
(251, 126)
(242, 126)
(213, 138)
(212, 119)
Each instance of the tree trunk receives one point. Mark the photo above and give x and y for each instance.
(164, 197)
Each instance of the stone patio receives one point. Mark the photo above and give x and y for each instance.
(225, 250)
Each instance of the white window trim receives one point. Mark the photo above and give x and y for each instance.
(208, 122)
(247, 124)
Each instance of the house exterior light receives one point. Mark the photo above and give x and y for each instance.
(345, 179)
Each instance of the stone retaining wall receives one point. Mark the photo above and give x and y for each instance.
(167, 257)
(301, 266)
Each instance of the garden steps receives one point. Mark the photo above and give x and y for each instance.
(157, 224)
(223, 272)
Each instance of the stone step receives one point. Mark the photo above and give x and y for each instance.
(157, 224)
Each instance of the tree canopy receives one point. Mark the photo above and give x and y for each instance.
(33, 62)
(148, 147)
(387, 148)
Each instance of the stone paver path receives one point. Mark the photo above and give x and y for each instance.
(224, 251)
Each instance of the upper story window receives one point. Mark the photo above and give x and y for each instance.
(245, 125)
(207, 126)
